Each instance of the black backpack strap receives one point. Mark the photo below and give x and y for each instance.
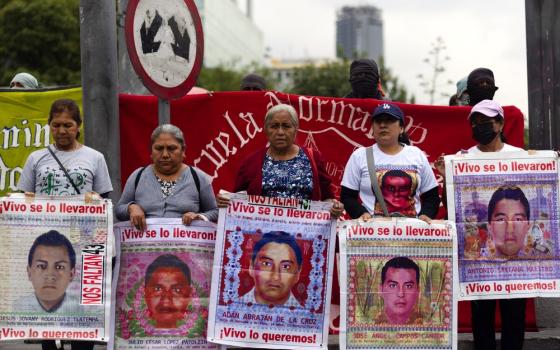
(196, 183)
(137, 180)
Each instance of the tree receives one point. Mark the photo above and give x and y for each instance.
(227, 77)
(331, 79)
(435, 60)
(41, 37)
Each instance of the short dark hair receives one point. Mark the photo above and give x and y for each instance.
(52, 238)
(167, 260)
(508, 192)
(395, 173)
(65, 105)
(400, 262)
(279, 237)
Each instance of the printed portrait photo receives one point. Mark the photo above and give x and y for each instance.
(51, 267)
(506, 222)
(400, 290)
(398, 188)
(274, 268)
(163, 294)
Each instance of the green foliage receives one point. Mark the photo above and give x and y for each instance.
(331, 79)
(227, 77)
(41, 37)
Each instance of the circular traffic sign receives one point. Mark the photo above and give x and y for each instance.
(165, 44)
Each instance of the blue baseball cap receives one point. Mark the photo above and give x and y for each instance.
(389, 109)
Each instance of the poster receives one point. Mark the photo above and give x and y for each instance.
(398, 284)
(272, 274)
(56, 268)
(506, 209)
(161, 297)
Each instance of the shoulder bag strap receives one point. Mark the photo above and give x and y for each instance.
(196, 183)
(64, 170)
(373, 180)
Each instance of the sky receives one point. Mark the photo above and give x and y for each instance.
(477, 33)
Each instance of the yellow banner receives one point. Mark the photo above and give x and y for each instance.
(23, 115)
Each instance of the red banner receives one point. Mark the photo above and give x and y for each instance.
(221, 129)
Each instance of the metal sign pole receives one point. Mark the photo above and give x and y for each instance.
(164, 114)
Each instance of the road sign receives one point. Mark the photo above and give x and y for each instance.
(165, 44)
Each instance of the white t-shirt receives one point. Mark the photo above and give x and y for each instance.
(86, 167)
(402, 177)
(507, 148)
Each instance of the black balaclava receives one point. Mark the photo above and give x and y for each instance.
(479, 92)
(253, 82)
(364, 79)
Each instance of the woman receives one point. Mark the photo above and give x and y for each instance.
(68, 168)
(284, 169)
(487, 123)
(406, 180)
(168, 188)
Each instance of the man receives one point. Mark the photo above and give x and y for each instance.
(253, 82)
(480, 85)
(51, 266)
(364, 80)
(400, 291)
(397, 190)
(275, 268)
(508, 220)
(24, 81)
(167, 290)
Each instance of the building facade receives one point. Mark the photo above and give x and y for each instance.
(231, 37)
(359, 32)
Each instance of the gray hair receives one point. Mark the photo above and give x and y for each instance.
(282, 108)
(171, 130)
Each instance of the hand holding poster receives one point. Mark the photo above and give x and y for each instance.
(398, 281)
(161, 298)
(272, 273)
(506, 209)
(61, 246)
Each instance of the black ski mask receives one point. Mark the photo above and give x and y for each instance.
(364, 78)
(476, 88)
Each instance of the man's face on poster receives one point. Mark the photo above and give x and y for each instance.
(400, 294)
(275, 271)
(167, 296)
(396, 191)
(509, 226)
(50, 274)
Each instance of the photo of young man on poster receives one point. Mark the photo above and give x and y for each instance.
(275, 268)
(51, 266)
(399, 289)
(167, 290)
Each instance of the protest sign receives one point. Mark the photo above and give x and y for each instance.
(506, 209)
(398, 284)
(161, 297)
(56, 268)
(272, 274)
(23, 115)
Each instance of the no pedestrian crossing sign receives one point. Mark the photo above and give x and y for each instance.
(165, 44)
